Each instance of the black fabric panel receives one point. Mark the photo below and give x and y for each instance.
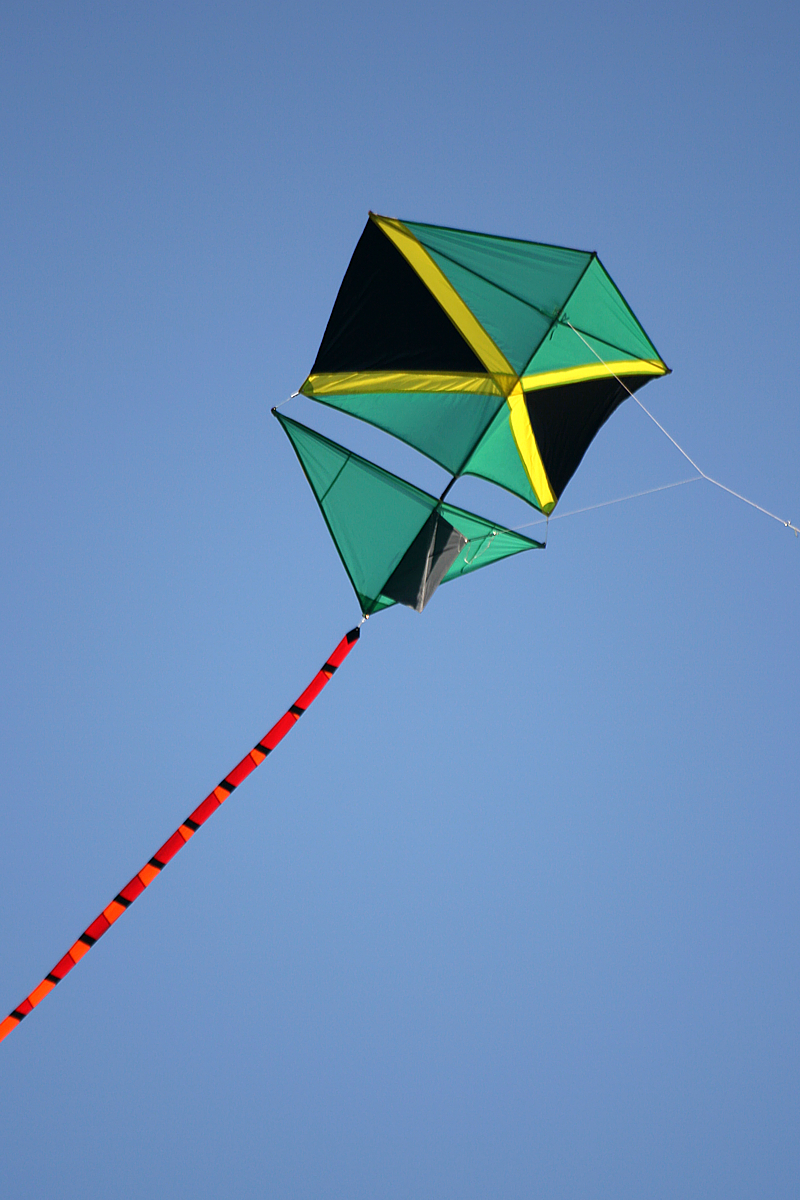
(385, 319)
(565, 420)
(425, 564)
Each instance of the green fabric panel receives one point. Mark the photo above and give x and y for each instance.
(445, 426)
(321, 459)
(497, 460)
(599, 306)
(381, 603)
(601, 313)
(373, 517)
(563, 348)
(513, 325)
(543, 276)
(487, 543)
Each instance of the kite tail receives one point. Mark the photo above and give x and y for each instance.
(150, 870)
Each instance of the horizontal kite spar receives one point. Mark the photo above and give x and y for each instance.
(150, 870)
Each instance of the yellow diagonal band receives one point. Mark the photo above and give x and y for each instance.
(439, 285)
(528, 450)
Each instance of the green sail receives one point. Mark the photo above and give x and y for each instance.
(435, 331)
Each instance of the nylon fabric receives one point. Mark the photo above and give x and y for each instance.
(345, 383)
(486, 543)
(595, 370)
(425, 564)
(529, 451)
(443, 426)
(565, 420)
(599, 311)
(541, 275)
(598, 305)
(373, 516)
(496, 459)
(386, 318)
(513, 325)
(452, 303)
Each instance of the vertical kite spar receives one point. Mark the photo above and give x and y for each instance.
(126, 897)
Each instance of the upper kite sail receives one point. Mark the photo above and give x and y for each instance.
(493, 357)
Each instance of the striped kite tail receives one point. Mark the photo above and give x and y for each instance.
(126, 897)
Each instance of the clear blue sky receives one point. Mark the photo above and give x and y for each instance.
(513, 912)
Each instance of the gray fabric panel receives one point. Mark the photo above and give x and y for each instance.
(425, 564)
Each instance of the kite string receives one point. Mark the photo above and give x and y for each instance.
(700, 471)
(574, 512)
(286, 401)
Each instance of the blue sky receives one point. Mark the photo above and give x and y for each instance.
(514, 910)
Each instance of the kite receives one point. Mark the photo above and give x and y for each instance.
(493, 357)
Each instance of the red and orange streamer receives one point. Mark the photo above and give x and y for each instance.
(180, 837)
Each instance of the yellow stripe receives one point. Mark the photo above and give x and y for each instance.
(596, 370)
(439, 285)
(528, 450)
(353, 383)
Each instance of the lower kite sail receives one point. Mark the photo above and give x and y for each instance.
(397, 543)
